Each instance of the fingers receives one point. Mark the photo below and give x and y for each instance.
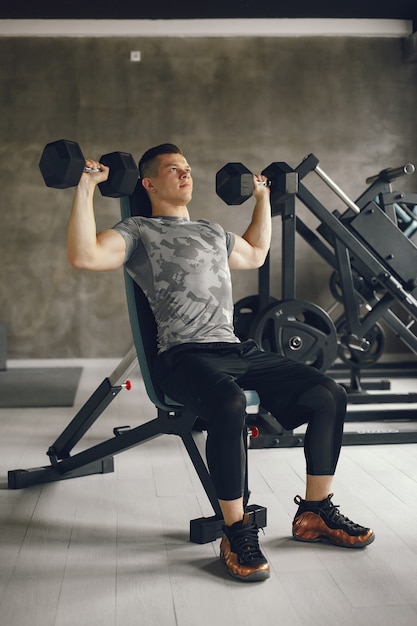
(95, 172)
(260, 179)
(260, 184)
(94, 165)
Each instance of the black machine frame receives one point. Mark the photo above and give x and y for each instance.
(375, 264)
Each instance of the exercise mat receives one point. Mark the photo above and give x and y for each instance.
(39, 387)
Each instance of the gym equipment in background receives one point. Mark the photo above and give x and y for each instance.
(374, 279)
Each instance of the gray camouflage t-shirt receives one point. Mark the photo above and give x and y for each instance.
(182, 267)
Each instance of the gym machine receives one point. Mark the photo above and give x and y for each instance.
(374, 261)
(374, 282)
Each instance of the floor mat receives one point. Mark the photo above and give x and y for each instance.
(39, 387)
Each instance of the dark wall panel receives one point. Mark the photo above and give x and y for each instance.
(351, 101)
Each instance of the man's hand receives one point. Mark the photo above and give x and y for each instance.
(251, 249)
(261, 186)
(98, 173)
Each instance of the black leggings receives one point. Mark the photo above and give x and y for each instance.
(211, 377)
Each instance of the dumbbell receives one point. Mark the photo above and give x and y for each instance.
(62, 164)
(234, 182)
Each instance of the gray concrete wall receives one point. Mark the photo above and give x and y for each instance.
(351, 101)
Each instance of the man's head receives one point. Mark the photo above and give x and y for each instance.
(148, 165)
(166, 176)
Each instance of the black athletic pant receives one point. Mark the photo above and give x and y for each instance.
(211, 377)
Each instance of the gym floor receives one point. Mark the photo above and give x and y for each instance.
(113, 549)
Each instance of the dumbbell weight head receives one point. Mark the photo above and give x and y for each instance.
(284, 181)
(62, 164)
(123, 175)
(234, 183)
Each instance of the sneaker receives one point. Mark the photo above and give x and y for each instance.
(240, 551)
(321, 521)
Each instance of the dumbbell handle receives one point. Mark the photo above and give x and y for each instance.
(265, 183)
(90, 170)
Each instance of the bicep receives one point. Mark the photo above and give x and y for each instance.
(243, 256)
(111, 250)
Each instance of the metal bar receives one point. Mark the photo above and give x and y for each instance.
(315, 242)
(288, 250)
(391, 173)
(401, 329)
(355, 397)
(263, 283)
(92, 408)
(125, 367)
(339, 192)
(22, 478)
(364, 437)
(83, 420)
(129, 439)
(350, 300)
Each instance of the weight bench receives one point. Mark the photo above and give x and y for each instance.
(172, 418)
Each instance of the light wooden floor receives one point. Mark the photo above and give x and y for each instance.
(113, 549)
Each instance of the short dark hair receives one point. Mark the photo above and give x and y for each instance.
(147, 163)
(148, 166)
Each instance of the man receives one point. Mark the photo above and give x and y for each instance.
(183, 266)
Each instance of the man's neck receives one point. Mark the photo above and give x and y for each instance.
(169, 210)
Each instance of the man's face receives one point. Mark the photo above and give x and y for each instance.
(173, 182)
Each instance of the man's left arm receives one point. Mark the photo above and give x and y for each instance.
(250, 249)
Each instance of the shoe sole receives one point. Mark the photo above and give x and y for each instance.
(256, 577)
(359, 545)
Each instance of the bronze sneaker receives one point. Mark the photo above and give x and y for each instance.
(240, 552)
(322, 521)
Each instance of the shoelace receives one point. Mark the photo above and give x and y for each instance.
(246, 543)
(335, 516)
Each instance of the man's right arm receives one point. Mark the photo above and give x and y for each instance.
(86, 248)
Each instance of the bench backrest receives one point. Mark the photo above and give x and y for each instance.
(142, 322)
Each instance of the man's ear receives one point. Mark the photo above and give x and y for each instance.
(147, 184)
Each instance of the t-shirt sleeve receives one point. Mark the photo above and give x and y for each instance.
(129, 230)
(230, 242)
